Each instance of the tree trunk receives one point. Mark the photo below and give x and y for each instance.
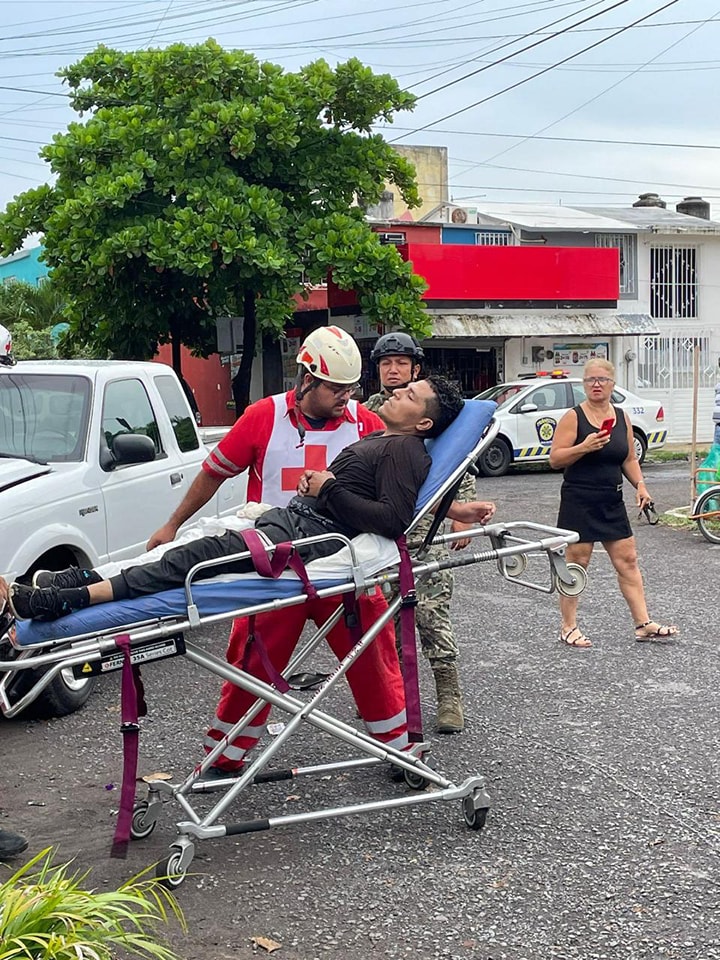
(176, 343)
(241, 380)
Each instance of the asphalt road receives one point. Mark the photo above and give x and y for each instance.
(603, 767)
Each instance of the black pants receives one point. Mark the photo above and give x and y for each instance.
(172, 568)
(278, 525)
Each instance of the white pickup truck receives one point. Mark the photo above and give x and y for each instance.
(94, 456)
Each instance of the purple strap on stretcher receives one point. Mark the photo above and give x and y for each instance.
(408, 644)
(133, 706)
(284, 556)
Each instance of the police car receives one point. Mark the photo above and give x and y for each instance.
(529, 410)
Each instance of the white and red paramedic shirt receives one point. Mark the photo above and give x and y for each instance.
(265, 441)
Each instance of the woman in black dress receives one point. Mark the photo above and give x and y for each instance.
(591, 499)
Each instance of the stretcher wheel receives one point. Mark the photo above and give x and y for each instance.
(579, 574)
(513, 566)
(414, 780)
(474, 817)
(139, 826)
(169, 872)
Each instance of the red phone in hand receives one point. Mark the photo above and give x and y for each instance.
(607, 425)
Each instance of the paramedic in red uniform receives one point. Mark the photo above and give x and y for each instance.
(276, 440)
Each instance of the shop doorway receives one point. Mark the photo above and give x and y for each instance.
(474, 370)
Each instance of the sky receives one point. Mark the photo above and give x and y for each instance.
(579, 102)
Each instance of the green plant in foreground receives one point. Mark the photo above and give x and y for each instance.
(46, 915)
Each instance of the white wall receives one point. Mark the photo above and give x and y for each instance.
(677, 403)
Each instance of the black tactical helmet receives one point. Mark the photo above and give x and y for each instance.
(397, 345)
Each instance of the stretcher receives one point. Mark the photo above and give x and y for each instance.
(112, 636)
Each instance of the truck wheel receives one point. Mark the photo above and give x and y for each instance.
(62, 696)
(65, 695)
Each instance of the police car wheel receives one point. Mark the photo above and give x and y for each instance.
(640, 446)
(495, 461)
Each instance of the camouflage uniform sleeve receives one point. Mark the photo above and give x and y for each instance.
(374, 402)
(467, 490)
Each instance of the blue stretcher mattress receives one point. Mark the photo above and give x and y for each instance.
(224, 594)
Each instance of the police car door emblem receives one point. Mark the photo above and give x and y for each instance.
(545, 427)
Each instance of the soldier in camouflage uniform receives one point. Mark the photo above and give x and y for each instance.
(398, 357)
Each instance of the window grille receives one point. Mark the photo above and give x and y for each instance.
(494, 238)
(673, 283)
(395, 238)
(626, 243)
(667, 362)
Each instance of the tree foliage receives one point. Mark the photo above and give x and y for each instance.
(202, 179)
(32, 314)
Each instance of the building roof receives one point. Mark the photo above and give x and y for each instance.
(18, 255)
(547, 216)
(646, 218)
(555, 217)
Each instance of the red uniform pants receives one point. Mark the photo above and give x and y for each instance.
(374, 678)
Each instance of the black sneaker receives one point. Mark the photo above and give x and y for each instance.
(44, 603)
(11, 844)
(65, 579)
(213, 778)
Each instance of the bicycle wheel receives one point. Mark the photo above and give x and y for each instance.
(707, 514)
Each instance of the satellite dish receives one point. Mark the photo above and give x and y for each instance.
(458, 215)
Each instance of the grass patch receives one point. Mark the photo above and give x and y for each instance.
(668, 456)
(681, 523)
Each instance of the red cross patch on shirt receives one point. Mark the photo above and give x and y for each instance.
(315, 459)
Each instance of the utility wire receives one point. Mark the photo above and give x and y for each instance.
(597, 96)
(603, 140)
(510, 43)
(582, 176)
(534, 76)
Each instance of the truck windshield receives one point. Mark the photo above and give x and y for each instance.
(44, 417)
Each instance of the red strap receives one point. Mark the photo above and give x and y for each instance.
(408, 644)
(133, 706)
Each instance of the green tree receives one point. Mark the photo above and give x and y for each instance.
(31, 313)
(205, 182)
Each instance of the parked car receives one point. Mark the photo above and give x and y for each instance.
(94, 457)
(529, 411)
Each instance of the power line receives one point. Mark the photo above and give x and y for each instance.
(455, 40)
(602, 93)
(603, 140)
(202, 22)
(511, 42)
(581, 176)
(534, 76)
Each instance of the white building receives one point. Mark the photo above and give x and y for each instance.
(669, 304)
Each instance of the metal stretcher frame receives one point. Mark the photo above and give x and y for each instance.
(160, 638)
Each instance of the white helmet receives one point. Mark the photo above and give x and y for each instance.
(329, 353)
(6, 357)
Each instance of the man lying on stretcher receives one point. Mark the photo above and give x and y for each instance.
(370, 487)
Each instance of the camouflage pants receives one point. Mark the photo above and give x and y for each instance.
(432, 614)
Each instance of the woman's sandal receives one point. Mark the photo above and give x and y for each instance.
(580, 640)
(661, 631)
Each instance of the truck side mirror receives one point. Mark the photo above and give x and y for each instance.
(132, 448)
